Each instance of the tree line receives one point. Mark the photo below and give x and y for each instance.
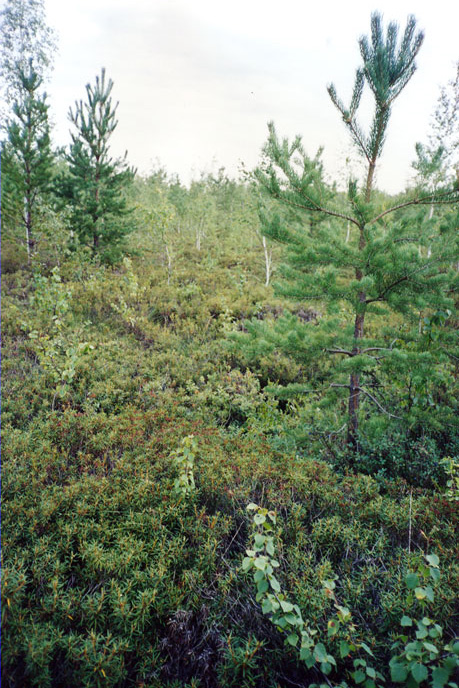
(84, 178)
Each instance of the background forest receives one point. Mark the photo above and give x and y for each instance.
(229, 424)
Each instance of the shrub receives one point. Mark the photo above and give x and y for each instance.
(396, 455)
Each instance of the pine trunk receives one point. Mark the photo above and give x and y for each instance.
(354, 381)
(28, 214)
(96, 217)
(354, 384)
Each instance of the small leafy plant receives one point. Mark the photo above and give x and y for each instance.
(419, 661)
(184, 458)
(52, 337)
(424, 659)
(241, 662)
(287, 617)
(451, 467)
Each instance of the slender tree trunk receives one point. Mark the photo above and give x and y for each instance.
(354, 384)
(28, 219)
(169, 264)
(30, 239)
(431, 212)
(268, 261)
(95, 237)
(370, 178)
(354, 380)
(199, 234)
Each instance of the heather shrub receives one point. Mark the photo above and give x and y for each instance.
(417, 460)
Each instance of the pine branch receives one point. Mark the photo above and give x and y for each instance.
(315, 208)
(375, 401)
(405, 278)
(362, 352)
(348, 115)
(425, 200)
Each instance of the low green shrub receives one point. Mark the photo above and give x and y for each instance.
(412, 662)
(392, 456)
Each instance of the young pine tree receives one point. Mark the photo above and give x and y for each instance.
(28, 156)
(388, 265)
(96, 183)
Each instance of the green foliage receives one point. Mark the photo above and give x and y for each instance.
(240, 668)
(451, 467)
(287, 617)
(232, 396)
(364, 258)
(424, 659)
(127, 467)
(418, 659)
(56, 345)
(28, 153)
(11, 205)
(129, 294)
(95, 183)
(184, 458)
(96, 538)
(418, 460)
(24, 37)
(386, 68)
(438, 159)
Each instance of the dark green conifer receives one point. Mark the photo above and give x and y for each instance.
(96, 183)
(388, 263)
(28, 157)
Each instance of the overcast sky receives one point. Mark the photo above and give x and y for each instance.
(198, 80)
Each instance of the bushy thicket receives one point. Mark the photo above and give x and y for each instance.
(111, 575)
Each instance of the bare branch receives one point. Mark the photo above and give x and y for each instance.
(337, 432)
(375, 401)
(363, 351)
(379, 348)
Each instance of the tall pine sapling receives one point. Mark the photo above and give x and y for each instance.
(96, 183)
(387, 71)
(377, 268)
(29, 147)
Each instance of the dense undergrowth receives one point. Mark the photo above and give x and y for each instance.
(111, 576)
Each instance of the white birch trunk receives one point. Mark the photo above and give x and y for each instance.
(169, 265)
(268, 261)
